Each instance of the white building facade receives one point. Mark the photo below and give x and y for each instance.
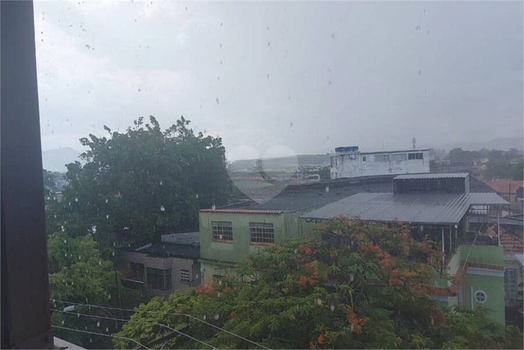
(349, 162)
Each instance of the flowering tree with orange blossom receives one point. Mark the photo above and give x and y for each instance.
(354, 285)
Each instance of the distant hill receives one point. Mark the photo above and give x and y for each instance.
(56, 159)
(502, 144)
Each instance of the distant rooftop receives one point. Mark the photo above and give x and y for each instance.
(432, 176)
(505, 186)
(171, 250)
(181, 238)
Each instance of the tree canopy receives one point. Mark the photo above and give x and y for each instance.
(356, 285)
(141, 183)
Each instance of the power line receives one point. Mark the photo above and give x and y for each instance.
(124, 320)
(102, 334)
(175, 330)
(169, 313)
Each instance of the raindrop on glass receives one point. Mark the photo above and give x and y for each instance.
(65, 240)
(162, 208)
(107, 329)
(98, 324)
(107, 200)
(63, 230)
(216, 99)
(204, 317)
(76, 199)
(107, 216)
(319, 301)
(419, 72)
(217, 316)
(332, 307)
(417, 28)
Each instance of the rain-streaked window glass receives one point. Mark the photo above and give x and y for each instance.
(167, 125)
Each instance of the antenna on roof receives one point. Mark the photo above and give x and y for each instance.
(414, 141)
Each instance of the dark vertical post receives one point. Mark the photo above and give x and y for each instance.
(25, 286)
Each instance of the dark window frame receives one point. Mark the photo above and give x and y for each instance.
(159, 279)
(26, 313)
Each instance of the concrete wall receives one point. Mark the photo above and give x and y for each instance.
(219, 257)
(490, 283)
(175, 264)
(487, 277)
(354, 165)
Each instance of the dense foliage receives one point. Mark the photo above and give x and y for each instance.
(79, 274)
(357, 285)
(139, 184)
(500, 164)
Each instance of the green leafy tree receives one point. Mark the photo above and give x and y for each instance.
(357, 285)
(79, 275)
(139, 184)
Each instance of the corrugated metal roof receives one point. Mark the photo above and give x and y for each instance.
(488, 198)
(427, 208)
(434, 208)
(432, 176)
(241, 211)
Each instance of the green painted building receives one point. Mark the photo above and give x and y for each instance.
(229, 235)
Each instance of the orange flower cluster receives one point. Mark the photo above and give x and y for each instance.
(374, 248)
(397, 278)
(304, 280)
(323, 337)
(204, 288)
(386, 260)
(356, 321)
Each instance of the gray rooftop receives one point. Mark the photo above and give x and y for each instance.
(181, 238)
(486, 198)
(432, 176)
(430, 208)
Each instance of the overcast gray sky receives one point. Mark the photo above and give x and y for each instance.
(305, 76)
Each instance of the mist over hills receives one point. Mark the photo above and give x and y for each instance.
(56, 159)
